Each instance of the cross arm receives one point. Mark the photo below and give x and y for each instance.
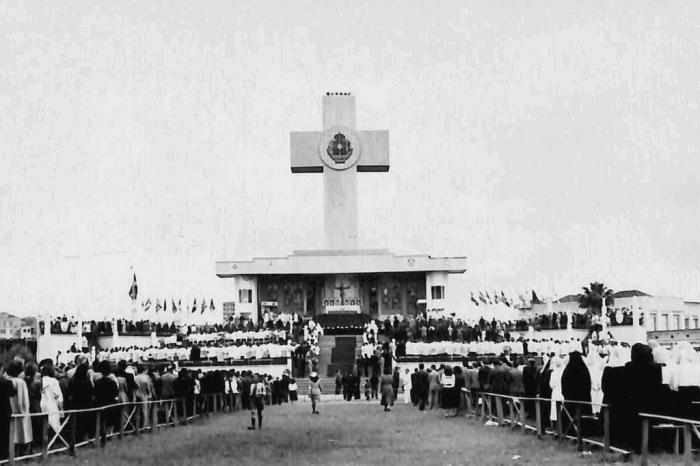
(375, 151)
(304, 152)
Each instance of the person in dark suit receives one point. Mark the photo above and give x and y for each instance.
(106, 393)
(422, 387)
(7, 390)
(129, 377)
(168, 384)
(414, 384)
(530, 385)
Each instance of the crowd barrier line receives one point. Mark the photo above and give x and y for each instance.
(489, 406)
(689, 427)
(135, 418)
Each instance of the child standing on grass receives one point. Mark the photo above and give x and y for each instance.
(292, 390)
(314, 392)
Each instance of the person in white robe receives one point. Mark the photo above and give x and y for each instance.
(51, 397)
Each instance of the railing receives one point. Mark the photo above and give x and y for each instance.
(569, 425)
(133, 418)
(688, 427)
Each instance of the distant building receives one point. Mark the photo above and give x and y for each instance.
(229, 310)
(663, 312)
(12, 326)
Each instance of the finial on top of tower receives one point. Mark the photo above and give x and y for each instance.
(338, 93)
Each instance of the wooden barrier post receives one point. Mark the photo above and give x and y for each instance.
(122, 420)
(511, 413)
(153, 411)
(687, 445)
(137, 417)
(560, 427)
(522, 416)
(73, 426)
(173, 406)
(499, 410)
(579, 429)
(45, 438)
(194, 406)
(606, 428)
(645, 441)
(11, 442)
(483, 406)
(98, 425)
(184, 410)
(538, 418)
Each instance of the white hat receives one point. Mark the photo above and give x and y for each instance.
(313, 374)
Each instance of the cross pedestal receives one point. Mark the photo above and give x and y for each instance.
(339, 152)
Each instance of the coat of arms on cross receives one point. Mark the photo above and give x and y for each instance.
(339, 148)
(339, 152)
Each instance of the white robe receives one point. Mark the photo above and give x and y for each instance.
(51, 400)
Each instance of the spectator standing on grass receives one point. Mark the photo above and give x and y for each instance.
(51, 396)
(107, 393)
(168, 384)
(144, 392)
(422, 387)
(7, 391)
(387, 383)
(33, 381)
(80, 396)
(434, 387)
(314, 392)
(257, 394)
(407, 387)
(20, 405)
(293, 390)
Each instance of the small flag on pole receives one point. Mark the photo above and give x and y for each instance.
(204, 305)
(147, 306)
(194, 305)
(158, 306)
(134, 290)
(172, 302)
(211, 305)
(165, 305)
(473, 299)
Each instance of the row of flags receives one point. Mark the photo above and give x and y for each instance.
(146, 305)
(486, 298)
(175, 308)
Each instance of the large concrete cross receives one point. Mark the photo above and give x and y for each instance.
(339, 152)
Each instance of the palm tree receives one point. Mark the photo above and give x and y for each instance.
(594, 297)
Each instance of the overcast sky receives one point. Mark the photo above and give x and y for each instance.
(552, 143)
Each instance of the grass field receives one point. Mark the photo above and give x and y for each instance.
(354, 433)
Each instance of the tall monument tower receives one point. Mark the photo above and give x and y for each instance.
(339, 151)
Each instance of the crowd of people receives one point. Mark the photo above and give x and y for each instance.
(640, 378)
(27, 388)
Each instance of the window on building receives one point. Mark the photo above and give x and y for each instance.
(245, 296)
(695, 322)
(653, 322)
(664, 322)
(437, 292)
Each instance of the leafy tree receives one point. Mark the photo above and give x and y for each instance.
(594, 297)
